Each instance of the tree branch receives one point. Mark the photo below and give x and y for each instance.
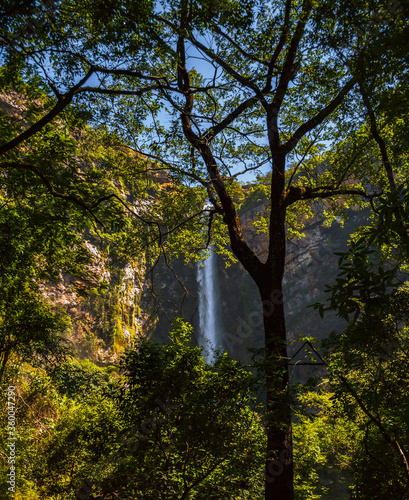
(62, 103)
(296, 193)
(319, 117)
(213, 131)
(395, 444)
(129, 72)
(279, 48)
(220, 32)
(239, 78)
(288, 66)
(375, 133)
(68, 197)
(99, 90)
(238, 244)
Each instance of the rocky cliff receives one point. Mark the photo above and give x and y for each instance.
(311, 265)
(117, 305)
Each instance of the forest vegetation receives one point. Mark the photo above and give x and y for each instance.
(129, 132)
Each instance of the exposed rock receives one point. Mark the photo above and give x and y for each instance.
(310, 266)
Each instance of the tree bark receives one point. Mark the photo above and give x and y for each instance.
(279, 463)
(268, 276)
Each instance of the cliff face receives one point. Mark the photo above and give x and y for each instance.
(114, 307)
(310, 266)
(108, 313)
(109, 304)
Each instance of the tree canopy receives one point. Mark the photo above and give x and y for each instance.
(205, 92)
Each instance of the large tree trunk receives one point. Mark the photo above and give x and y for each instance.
(268, 277)
(279, 464)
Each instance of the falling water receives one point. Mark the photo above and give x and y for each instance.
(209, 305)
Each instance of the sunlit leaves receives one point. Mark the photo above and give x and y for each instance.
(368, 372)
(176, 425)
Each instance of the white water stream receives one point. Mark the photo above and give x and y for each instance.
(209, 306)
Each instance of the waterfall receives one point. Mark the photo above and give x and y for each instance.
(209, 305)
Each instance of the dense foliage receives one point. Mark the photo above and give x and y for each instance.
(130, 125)
(166, 424)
